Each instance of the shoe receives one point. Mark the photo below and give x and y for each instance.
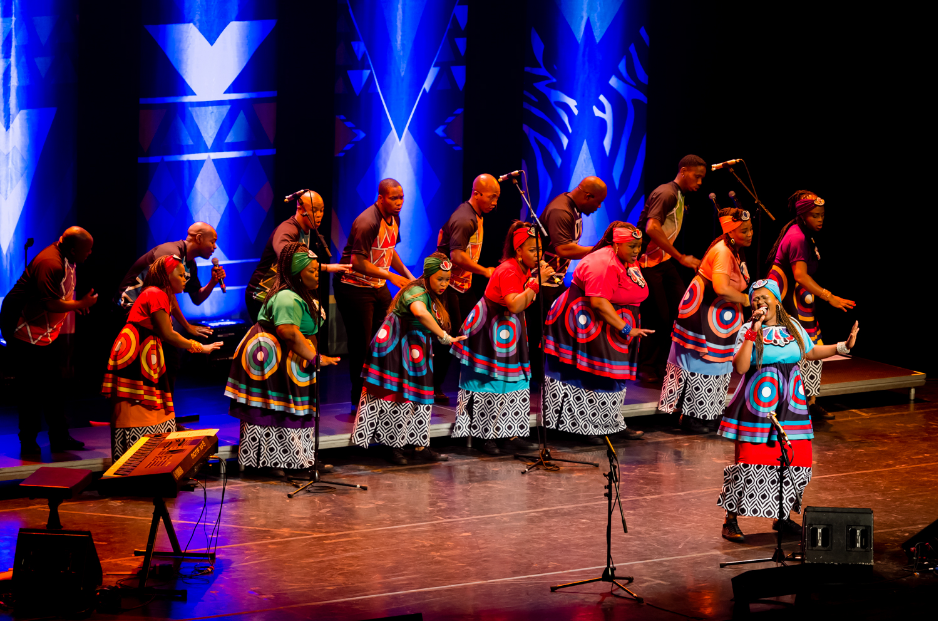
(694, 425)
(68, 443)
(675, 420)
(594, 440)
(631, 434)
(307, 474)
(325, 468)
(788, 526)
(517, 444)
(648, 377)
(428, 454)
(731, 531)
(490, 448)
(440, 398)
(276, 473)
(819, 412)
(396, 456)
(713, 425)
(30, 448)
(181, 427)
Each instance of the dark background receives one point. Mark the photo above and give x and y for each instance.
(825, 100)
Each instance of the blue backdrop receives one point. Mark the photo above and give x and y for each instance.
(37, 140)
(585, 103)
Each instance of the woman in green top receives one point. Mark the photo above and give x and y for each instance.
(274, 370)
(395, 404)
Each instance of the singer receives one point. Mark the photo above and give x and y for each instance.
(793, 261)
(460, 239)
(701, 360)
(767, 353)
(302, 227)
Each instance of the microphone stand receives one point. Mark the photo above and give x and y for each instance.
(543, 457)
(759, 205)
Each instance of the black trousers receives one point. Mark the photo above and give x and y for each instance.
(362, 309)
(532, 317)
(659, 310)
(40, 388)
(458, 305)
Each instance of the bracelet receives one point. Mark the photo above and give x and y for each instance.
(750, 335)
(625, 331)
(842, 348)
(446, 339)
(826, 295)
(315, 361)
(195, 347)
(533, 285)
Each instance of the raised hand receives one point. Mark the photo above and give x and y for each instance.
(852, 339)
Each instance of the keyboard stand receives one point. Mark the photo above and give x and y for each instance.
(160, 513)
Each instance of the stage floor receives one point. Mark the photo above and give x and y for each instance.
(474, 539)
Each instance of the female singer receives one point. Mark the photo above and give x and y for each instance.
(767, 353)
(794, 260)
(136, 380)
(494, 380)
(274, 370)
(395, 405)
(708, 318)
(591, 339)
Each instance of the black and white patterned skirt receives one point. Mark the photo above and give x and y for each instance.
(124, 438)
(276, 447)
(811, 376)
(490, 415)
(696, 395)
(752, 489)
(583, 411)
(391, 423)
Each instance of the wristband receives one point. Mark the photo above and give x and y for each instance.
(195, 347)
(842, 348)
(446, 339)
(750, 335)
(533, 285)
(826, 294)
(625, 331)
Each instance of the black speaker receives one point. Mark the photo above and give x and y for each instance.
(55, 572)
(838, 535)
(928, 538)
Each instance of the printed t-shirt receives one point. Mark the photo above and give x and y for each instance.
(262, 279)
(416, 294)
(601, 274)
(151, 300)
(373, 238)
(795, 247)
(509, 277)
(286, 307)
(666, 205)
(132, 284)
(720, 260)
(778, 344)
(564, 224)
(463, 231)
(49, 276)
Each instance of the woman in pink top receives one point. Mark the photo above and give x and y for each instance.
(591, 339)
(709, 316)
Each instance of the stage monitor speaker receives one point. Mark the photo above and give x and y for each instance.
(838, 535)
(55, 572)
(928, 536)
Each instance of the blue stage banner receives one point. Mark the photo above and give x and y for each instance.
(207, 126)
(585, 103)
(400, 73)
(38, 138)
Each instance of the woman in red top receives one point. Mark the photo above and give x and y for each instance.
(494, 391)
(136, 381)
(591, 339)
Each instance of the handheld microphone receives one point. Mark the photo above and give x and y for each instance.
(780, 430)
(713, 199)
(722, 164)
(513, 173)
(759, 314)
(221, 281)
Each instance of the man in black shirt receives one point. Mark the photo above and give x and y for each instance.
(362, 294)
(461, 240)
(661, 219)
(301, 227)
(563, 220)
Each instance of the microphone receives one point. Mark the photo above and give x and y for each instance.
(779, 430)
(713, 199)
(735, 200)
(294, 196)
(325, 246)
(513, 173)
(722, 164)
(759, 314)
(221, 281)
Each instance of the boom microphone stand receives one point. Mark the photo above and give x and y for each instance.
(543, 458)
(759, 205)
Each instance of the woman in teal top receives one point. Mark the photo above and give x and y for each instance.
(273, 371)
(397, 396)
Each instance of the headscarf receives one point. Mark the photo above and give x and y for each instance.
(432, 265)
(623, 235)
(805, 205)
(300, 260)
(521, 235)
(765, 283)
(171, 263)
(731, 223)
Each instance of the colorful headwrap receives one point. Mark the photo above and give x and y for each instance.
(771, 285)
(731, 223)
(300, 260)
(521, 235)
(432, 265)
(171, 263)
(805, 205)
(623, 235)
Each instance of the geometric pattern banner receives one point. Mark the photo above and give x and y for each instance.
(206, 135)
(38, 89)
(585, 86)
(400, 74)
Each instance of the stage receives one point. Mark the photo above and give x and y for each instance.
(472, 538)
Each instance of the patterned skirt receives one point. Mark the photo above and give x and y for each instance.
(696, 395)
(775, 388)
(579, 402)
(750, 486)
(497, 343)
(811, 374)
(276, 447)
(401, 361)
(136, 370)
(707, 322)
(493, 415)
(385, 418)
(799, 303)
(125, 437)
